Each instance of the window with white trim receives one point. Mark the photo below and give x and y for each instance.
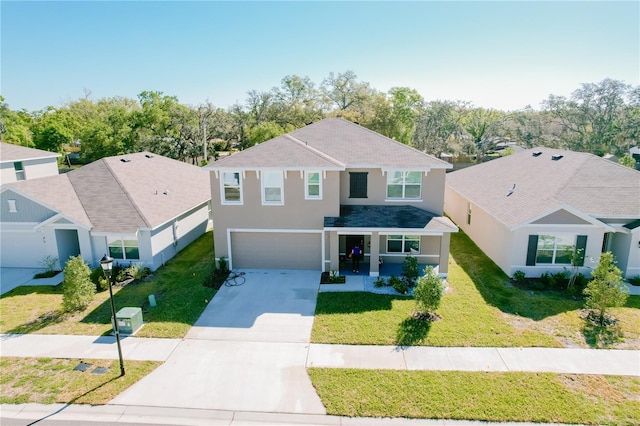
(555, 249)
(231, 190)
(12, 206)
(404, 185)
(313, 186)
(272, 188)
(120, 248)
(403, 244)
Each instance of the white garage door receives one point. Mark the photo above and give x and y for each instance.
(22, 250)
(267, 250)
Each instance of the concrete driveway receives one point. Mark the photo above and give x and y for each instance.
(247, 351)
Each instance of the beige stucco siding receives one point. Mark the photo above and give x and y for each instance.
(432, 190)
(297, 213)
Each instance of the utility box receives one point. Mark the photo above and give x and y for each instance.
(129, 320)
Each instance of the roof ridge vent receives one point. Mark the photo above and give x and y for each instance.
(537, 153)
(557, 157)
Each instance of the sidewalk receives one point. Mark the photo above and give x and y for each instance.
(552, 360)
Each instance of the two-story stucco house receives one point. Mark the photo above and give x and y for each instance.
(304, 199)
(22, 163)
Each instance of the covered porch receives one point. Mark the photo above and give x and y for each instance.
(387, 235)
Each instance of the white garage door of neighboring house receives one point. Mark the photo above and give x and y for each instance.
(22, 250)
(269, 250)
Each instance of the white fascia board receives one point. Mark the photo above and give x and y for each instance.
(277, 231)
(575, 212)
(276, 169)
(114, 234)
(61, 216)
(387, 231)
(30, 158)
(424, 170)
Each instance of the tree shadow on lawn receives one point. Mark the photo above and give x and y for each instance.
(492, 282)
(412, 331)
(353, 302)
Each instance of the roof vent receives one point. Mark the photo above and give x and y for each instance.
(125, 160)
(556, 157)
(537, 153)
(148, 155)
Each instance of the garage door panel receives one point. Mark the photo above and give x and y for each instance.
(266, 250)
(22, 250)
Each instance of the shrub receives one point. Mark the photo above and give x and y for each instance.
(398, 285)
(137, 271)
(634, 280)
(49, 263)
(410, 270)
(546, 279)
(380, 282)
(222, 265)
(77, 288)
(98, 279)
(560, 280)
(606, 289)
(518, 277)
(429, 291)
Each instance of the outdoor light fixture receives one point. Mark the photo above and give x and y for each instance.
(106, 263)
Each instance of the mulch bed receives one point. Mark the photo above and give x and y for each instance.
(325, 278)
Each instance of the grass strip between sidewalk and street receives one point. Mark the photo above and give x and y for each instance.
(53, 380)
(177, 286)
(484, 396)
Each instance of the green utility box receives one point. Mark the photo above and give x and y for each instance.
(129, 320)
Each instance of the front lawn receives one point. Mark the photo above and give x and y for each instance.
(480, 309)
(498, 397)
(49, 380)
(177, 286)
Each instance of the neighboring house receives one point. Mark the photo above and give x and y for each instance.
(304, 199)
(528, 211)
(20, 163)
(139, 208)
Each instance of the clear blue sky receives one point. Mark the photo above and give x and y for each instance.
(495, 54)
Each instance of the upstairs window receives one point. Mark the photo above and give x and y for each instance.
(403, 244)
(313, 186)
(272, 188)
(231, 190)
(358, 184)
(19, 170)
(119, 248)
(404, 185)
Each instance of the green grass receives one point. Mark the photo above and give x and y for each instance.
(48, 380)
(177, 286)
(480, 309)
(524, 397)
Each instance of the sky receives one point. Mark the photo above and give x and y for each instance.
(503, 54)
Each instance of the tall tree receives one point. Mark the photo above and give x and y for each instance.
(592, 118)
(343, 91)
(439, 126)
(483, 125)
(406, 105)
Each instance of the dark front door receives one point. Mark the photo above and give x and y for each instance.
(352, 240)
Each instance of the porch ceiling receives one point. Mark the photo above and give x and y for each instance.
(388, 217)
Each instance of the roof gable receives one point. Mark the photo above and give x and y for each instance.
(331, 144)
(10, 153)
(520, 187)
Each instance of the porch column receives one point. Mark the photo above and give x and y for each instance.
(374, 255)
(334, 251)
(443, 267)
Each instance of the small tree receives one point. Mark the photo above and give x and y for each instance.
(410, 269)
(628, 161)
(77, 288)
(606, 289)
(428, 293)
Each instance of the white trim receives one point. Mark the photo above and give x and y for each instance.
(55, 217)
(306, 185)
(278, 173)
(587, 218)
(223, 200)
(403, 200)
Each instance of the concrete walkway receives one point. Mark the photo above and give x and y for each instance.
(221, 353)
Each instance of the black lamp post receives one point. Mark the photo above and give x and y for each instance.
(107, 264)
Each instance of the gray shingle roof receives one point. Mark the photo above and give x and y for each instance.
(589, 184)
(121, 197)
(10, 153)
(331, 143)
(388, 217)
